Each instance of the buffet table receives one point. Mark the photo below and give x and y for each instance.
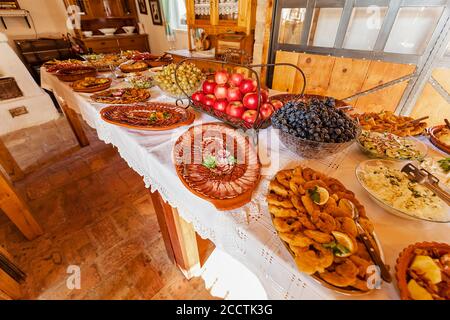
(247, 233)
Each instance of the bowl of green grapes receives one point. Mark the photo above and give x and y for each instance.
(189, 77)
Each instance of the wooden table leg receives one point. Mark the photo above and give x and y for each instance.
(17, 210)
(8, 163)
(183, 245)
(75, 124)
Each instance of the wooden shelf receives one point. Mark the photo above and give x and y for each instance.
(109, 18)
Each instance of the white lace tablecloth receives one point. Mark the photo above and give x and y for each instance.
(247, 234)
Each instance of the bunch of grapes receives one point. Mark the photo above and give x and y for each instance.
(315, 120)
(189, 78)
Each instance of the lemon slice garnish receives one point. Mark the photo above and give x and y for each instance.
(345, 243)
(323, 196)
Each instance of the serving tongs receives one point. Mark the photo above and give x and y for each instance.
(364, 237)
(426, 179)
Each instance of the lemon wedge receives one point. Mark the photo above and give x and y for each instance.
(346, 244)
(319, 195)
(346, 205)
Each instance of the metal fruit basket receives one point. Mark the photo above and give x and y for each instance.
(233, 121)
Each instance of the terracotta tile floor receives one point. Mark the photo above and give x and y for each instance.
(97, 215)
(36, 146)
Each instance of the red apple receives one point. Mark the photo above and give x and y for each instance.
(235, 109)
(236, 79)
(250, 101)
(266, 110)
(198, 96)
(248, 85)
(221, 90)
(220, 105)
(264, 95)
(249, 116)
(208, 86)
(234, 94)
(221, 77)
(277, 104)
(209, 100)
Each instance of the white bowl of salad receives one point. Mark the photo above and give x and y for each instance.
(139, 81)
(389, 146)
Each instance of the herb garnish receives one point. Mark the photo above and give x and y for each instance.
(338, 249)
(314, 194)
(445, 164)
(210, 162)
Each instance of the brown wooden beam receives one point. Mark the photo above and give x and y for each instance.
(9, 164)
(266, 40)
(4, 296)
(17, 210)
(9, 288)
(75, 124)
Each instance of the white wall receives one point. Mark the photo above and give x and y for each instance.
(39, 105)
(157, 36)
(47, 16)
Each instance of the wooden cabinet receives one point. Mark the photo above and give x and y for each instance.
(219, 16)
(98, 14)
(134, 43)
(94, 9)
(115, 44)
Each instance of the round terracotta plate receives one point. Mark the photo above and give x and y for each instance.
(152, 116)
(91, 89)
(435, 140)
(217, 164)
(404, 260)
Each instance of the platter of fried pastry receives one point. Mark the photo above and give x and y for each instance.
(387, 121)
(313, 215)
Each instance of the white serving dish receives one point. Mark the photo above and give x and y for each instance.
(386, 206)
(418, 145)
(108, 31)
(129, 29)
(87, 34)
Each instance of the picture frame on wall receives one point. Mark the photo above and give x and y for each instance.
(155, 12)
(142, 7)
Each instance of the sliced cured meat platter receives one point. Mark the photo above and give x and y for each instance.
(153, 116)
(121, 96)
(218, 164)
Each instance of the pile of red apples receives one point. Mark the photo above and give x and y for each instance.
(236, 96)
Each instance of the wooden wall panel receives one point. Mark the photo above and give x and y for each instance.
(344, 77)
(385, 99)
(432, 104)
(442, 75)
(318, 70)
(284, 78)
(347, 77)
(380, 72)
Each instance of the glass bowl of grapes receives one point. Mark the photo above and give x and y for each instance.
(189, 78)
(315, 128)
